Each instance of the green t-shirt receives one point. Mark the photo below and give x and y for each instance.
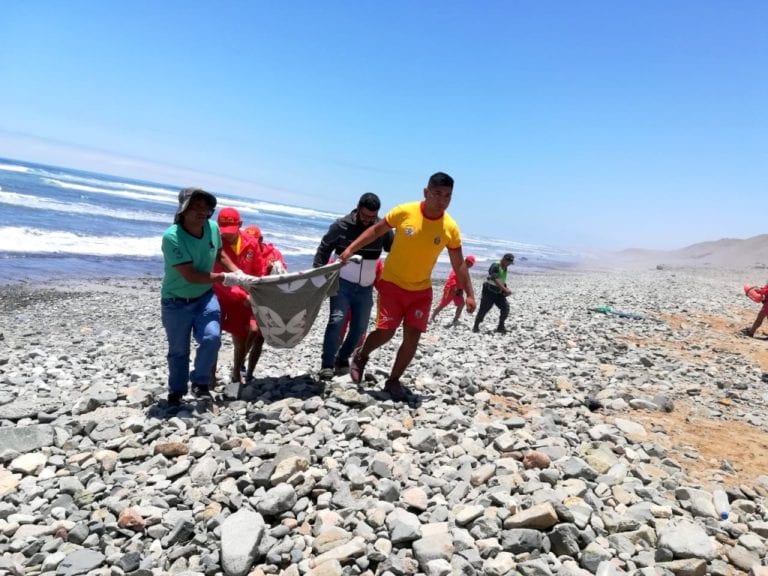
(180, 247)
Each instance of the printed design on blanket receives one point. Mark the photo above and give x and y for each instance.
(285, 306)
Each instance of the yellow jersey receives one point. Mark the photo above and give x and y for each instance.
(417, 244)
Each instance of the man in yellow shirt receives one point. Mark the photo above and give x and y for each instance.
(422, 230)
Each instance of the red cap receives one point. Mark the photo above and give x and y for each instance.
(470, 260)
(229, 221)
(254, 231)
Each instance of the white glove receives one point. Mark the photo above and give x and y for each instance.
(234, 278)
(277, 268)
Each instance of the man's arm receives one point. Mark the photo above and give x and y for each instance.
(379, 229)
(462, 272)
(503, 287)
(388, 239)
(224, 259)
(327, 245)
(195, 276)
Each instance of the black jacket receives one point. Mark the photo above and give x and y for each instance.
(340, 235)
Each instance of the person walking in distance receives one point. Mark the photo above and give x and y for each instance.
(422, 230)
(495, 293)
(355, 293)
(453, 291)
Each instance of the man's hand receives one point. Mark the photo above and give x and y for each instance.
(507, 291)
(233, 278)
(276, 268)
(470, 302)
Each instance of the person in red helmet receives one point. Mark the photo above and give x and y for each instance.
(270, 262)
(236, 314)
(272, 259)
(453, 292)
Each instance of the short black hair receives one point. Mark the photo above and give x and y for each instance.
(440, 179)
(369, 201)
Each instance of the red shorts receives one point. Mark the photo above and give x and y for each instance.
(449, 295)
(236, 317)
(397, 305)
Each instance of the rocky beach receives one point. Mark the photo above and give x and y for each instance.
(578, 443)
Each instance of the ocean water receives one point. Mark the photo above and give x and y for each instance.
(63, 223)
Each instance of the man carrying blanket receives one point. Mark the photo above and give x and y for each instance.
(422, 230)
(355, 294)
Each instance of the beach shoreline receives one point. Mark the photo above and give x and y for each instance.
(627, 413)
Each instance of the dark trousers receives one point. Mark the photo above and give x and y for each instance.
(357, 301)
(488, 300)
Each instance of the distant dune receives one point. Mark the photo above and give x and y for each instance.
(723, 253)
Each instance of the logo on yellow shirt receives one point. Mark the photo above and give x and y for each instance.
(409, 231)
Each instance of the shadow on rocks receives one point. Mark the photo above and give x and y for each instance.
(414, 400)
(272, 389)
(195, 408)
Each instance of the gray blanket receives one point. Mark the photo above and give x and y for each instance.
(285, 306)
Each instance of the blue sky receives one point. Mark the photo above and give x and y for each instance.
(577, 124)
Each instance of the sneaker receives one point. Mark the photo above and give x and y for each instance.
(501, 330)
(396, 391)
(357, 367)
(325, 374)
(341, 368)
(174, 398)
(475, 329)
(202, 391)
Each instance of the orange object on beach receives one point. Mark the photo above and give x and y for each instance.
(753, 293)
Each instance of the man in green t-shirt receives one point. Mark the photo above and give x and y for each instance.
(495, 293)
(188, 305)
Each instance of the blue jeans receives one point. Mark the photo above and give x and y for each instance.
(182, 319)
(356, 299)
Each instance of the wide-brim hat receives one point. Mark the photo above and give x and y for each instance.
(187, 195)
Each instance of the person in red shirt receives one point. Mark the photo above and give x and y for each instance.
(453, 292)
(271, 257)
(270, 262)
(236, 314)
(760, 315)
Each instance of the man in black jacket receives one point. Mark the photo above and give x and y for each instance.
(355, 295)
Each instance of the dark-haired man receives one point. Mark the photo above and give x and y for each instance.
(423, 229)
(495, 292)
(355, 294)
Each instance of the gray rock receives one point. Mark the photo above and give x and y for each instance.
(80, 562)
(277, 500)
(437, 546)
(685, 540)
(26, 438)
(521, 540)
(403, 526)
(20, 409)
(241, 534)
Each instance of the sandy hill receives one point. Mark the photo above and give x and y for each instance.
(726, 253)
